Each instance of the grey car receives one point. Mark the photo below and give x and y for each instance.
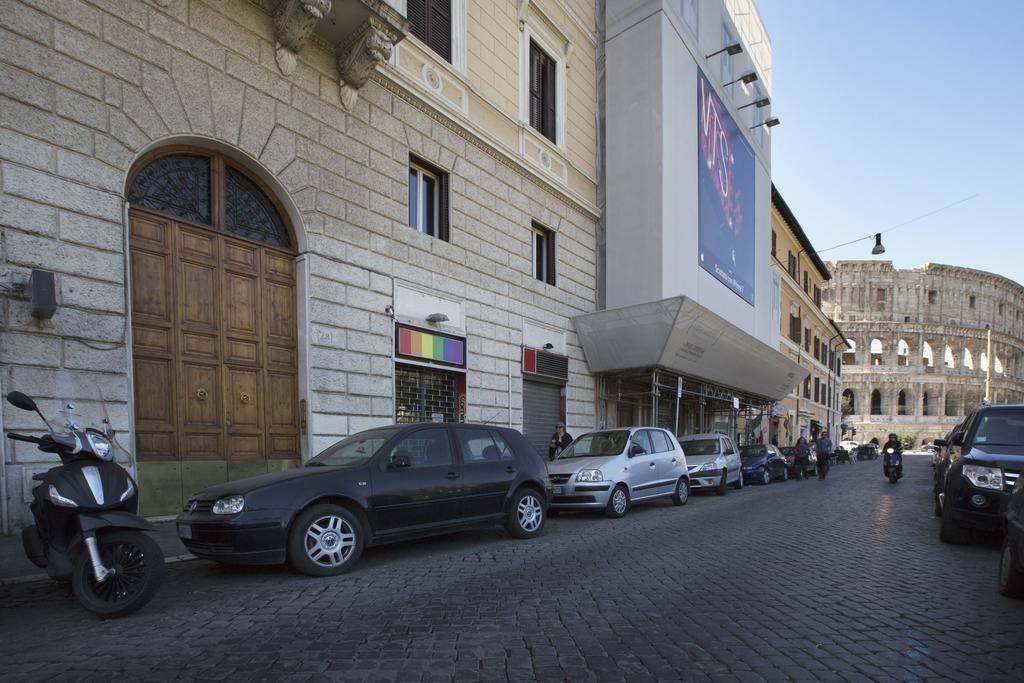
(714, 462)
(613, 468)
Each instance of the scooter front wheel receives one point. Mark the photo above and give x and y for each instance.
(137, 566)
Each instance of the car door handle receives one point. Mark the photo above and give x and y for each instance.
(652, 465)
(510, 469)
(453, 475)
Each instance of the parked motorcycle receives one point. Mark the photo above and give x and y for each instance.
(87, 529)
(893, 466)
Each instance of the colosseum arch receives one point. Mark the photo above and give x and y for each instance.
(877, 349)
(949, 357)
(927, 355)
(968, 358)
(983, 365)
(997, 364)
(849, 405)
(876, 402)
(850, 354)
(926, 407)
(952, 407)
(905, 402)
(902, 353)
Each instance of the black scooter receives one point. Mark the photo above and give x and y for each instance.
(87, 528)
(893, 466)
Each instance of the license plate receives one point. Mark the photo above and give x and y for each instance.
(558, 490)
(185, 530)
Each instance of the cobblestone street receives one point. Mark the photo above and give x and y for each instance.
(721, 589)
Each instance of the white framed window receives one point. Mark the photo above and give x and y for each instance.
(428, 200)
(440, 25)
(542, 56)
(543, 249)
(690, 9)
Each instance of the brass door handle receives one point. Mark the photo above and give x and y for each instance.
(244, 398)
(201, 394)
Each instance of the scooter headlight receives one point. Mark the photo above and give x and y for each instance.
(54, 495)
(100, 446)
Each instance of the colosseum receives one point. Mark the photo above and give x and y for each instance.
(920, 344)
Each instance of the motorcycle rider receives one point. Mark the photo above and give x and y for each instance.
(893, 443)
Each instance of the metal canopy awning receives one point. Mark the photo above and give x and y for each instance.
(680, 335)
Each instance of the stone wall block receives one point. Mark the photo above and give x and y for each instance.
(159, 89)
(369, 385)
(27, 151)
(27, 88)
(40, 124)
(33, 251)
(268, 81)
(96, 53)
(176, 34)
(320, 110)
(18, 348)
(89, 171)
(280, 149)
(123, 35)
(228, 99)
(329, 424)
(79, 356)
(51, 65)
(26, 21)
(90, 294)
(112, 152)
(82, 109)
(334, 381)
(46, 188)
(192, 84)
(257, 121)
(125, 131)
(369, 343)
(298, 121)
(28, 215)
(143, 112)
(225, 31)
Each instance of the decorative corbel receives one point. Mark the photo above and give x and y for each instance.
(368, 46)
(294, 21)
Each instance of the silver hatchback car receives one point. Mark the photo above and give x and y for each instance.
(714, 462)
(613, 468)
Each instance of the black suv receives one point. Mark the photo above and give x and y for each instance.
(1011, 562)
(381, 485)
(976, 469)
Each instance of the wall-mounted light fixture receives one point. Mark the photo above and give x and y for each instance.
(548, 346)
(763, 102)
(733, 49)
(768, 123)
(43, 294)
(437, 318)
(747, 79)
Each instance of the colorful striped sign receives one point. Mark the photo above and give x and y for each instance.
(431, 347)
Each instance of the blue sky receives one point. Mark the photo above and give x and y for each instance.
(891, 109)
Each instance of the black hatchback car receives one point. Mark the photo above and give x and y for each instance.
(377, 486)
(976, 470)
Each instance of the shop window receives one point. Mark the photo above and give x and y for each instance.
(432, 24)
(428, 199)
(425, 448)
(543, 254)
(425, 395)
(543, 105)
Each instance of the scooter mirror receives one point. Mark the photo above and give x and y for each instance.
(20, 400)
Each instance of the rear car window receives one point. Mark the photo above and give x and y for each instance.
(482, 445)
(701, 447)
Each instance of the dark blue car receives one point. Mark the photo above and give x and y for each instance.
(763, 463)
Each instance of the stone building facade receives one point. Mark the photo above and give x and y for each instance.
(920, 344)
(289, 302)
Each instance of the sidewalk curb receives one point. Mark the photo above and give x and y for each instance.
(32, 578)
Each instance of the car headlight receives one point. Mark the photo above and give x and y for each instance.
(712, 465)
(57, 499)
(590, 475)
(984, 477)
(229, 506)
(128, 491)
(100, 446)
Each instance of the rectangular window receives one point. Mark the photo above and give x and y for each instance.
(933, 296)
(817, 296)
(432, 23)
(806, 290)
(543, 254)
(542, 92)
(807, 388)
(970, 301)
(817, 390)
(817, 348)
(792, 265)
(428, 199)
(807, 339)
(794, 328)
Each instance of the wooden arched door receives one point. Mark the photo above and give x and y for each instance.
(213, 326)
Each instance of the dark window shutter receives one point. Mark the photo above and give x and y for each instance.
(416, 12)
(551, 258)
(549, 99)
(439, 19)
(442, 208)
(536, 86)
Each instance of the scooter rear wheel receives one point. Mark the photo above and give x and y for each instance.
(138, 567)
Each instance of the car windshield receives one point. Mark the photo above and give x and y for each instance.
(751, 452)
(701, 447)
(355, 450)
(597, 443)
(1000, 428)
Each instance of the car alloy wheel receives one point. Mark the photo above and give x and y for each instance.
(766, 477)
(525, 517)
(682, 492)
(618, 504)
(530, 513)
(329, 541)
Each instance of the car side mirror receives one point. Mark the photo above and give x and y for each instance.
(20, 400)
(941, 443)
(636, 449)
(399, 462)
(958, 439)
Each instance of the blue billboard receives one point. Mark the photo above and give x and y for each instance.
(725, 213)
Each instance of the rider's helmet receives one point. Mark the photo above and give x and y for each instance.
(893, 437)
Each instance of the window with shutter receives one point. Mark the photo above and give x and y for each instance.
(543, 254)
(428, 199)
(432, 23)
(543, 103)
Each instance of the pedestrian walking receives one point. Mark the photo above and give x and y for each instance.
(560, 440)
(803, 458)
(824, 446)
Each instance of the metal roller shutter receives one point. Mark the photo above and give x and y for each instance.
(422, 393)
(541, 409)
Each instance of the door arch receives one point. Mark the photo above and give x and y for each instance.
(214, 325)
